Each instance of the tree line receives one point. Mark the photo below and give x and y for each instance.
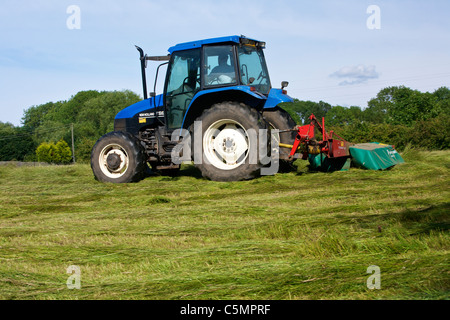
(397, 115)
(91, 113)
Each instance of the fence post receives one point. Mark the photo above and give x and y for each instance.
(73, 146)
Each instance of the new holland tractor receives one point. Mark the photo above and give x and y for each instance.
(218, 91)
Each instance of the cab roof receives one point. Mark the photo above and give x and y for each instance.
(199, 43)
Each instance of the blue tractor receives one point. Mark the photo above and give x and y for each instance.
(220, 85)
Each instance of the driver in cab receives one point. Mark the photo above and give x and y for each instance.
(223, 73)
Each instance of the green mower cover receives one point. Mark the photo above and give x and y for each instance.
(375, 156)
(321, 162)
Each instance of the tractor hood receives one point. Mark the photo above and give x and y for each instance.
(141, 106)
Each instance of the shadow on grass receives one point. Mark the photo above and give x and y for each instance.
(191, 171)
(176, 174)
(433, 218)
(420, 220)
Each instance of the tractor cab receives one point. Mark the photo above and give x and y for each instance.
(212, 65)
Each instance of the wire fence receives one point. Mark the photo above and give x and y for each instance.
(33, 132)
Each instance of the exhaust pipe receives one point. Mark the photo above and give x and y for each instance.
(143, 65)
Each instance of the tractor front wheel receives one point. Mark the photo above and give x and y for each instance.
(118, 157)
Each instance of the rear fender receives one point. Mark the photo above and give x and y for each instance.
(206, 98)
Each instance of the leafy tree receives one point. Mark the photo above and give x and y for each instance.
(91, 112)
(344, 116)
(442, 96)
(301, 110)
(433, 134)
(15, 142)
(34, 116)
(83, 149)
(69, 110)
(401, 105)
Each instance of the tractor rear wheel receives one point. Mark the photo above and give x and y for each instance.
(118, 157)
(230, 139)
(281, 120)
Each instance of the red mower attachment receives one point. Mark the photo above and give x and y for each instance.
(306, 143)
(333, 153)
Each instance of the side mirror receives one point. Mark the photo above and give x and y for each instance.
(284, 84)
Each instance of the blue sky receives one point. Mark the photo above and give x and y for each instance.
(323, 48)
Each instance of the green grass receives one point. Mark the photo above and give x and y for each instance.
(290, 236)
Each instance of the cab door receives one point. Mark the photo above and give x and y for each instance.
(183, 82)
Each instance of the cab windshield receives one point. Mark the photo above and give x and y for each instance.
(253, 69)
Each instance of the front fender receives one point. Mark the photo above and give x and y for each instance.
(276, 96)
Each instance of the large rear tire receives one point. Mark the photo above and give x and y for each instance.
(118, 157)
(230, 139)
(281, 120)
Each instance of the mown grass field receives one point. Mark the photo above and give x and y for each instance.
(299, 235)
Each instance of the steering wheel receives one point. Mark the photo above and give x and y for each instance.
(220, 79)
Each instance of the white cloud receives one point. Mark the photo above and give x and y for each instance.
(355, 74)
